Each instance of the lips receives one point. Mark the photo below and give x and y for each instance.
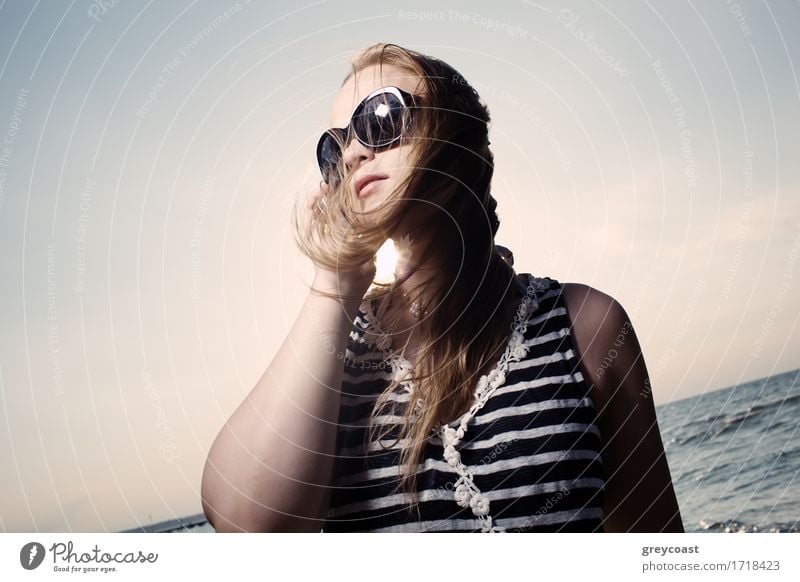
(362, 182)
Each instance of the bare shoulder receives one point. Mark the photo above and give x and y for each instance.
(587, 304)
(600, 326)
(639, 495)
(595, 316)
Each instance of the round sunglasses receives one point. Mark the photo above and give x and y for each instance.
(381, 119)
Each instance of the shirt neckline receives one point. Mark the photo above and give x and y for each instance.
(400, 368)
(466, 493)
(376, 336)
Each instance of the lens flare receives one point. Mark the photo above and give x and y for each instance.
(392, 263)
(386, 263)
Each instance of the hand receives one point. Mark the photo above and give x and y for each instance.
(341, 282)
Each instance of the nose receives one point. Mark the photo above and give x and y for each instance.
(356, 153)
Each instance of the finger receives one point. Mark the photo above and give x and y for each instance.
(312, 202)
(321, 197)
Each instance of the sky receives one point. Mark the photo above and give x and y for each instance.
(150, 154)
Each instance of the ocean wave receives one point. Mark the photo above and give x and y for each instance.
(733, 526)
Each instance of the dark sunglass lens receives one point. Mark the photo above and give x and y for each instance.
(378, 122)
(381, 120)
(329, 152)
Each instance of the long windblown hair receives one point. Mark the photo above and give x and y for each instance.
(446, 192)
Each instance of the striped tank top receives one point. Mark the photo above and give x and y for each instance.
(524, 458)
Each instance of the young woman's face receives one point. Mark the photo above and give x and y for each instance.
(391, 164)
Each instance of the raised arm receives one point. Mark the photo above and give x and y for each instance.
(639, 496)
(269, 468)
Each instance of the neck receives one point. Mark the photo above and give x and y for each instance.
(406, 330)
(402, 310)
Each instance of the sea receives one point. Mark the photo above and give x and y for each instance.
(734, 456)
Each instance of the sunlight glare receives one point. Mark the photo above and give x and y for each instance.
(386, 263)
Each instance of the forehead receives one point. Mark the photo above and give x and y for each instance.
(366, 81)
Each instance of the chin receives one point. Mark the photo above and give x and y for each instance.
(374, 202)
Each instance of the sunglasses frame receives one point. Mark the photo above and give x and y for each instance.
(342, 133)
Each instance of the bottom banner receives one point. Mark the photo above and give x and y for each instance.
(354, 557)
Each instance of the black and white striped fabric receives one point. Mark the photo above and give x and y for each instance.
(529, 458)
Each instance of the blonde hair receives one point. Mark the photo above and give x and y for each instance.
(450, 169)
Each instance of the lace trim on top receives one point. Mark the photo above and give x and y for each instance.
(466, 493)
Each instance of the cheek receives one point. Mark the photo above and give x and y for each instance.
(398, 165)
(399, 160)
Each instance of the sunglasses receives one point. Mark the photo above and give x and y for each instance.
(381, 119)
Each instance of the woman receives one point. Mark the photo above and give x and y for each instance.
(461, 396)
